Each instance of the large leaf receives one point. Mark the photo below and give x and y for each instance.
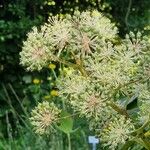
(66, 122)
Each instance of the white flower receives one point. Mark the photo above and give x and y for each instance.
(35, 51)
(106, 72)
(72, 84)
(92, 106)
(95, 22)
(117, 132)
(44, 116)
(60, 33)
(136, 43)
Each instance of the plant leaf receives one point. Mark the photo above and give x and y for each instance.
(133, 102)
(66, 123)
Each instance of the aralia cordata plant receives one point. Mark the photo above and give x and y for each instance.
(107, 79)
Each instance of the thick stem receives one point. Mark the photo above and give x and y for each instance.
(118, 109)
(67, 63)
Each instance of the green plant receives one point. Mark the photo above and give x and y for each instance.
(107, 79)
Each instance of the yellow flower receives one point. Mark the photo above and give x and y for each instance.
(52, 66)
(54, 93)
(36, 81)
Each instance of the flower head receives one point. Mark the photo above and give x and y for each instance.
(52, 66)
(75, 36)
(73, 83)
(60, 32)
(91, 105)
(36, 81)
(44, 116)
(54, 93)
(117, 132)
(35, 51)
(136, 43)
(96, 23)
(107, 72)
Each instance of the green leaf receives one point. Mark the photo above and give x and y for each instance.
(66, 122)
(132, 103)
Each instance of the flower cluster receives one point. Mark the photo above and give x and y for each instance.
(72, 84)
(97, 73)
(35, 51)
(135, 43)
(43, 117)
(65, 36)
(117, 132)
(93, 106)
(85, 96)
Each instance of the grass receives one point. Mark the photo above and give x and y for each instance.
(18, 134)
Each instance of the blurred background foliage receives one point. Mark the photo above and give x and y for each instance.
(21, 90)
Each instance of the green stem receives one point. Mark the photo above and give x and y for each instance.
(54, 73)
(83, 72)
(125, 85)
(73, 65)
(75, 114)
(69, 141)
(128, 12)
(17, 98)
(140, 130)
(144, 142)
(118, 109)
